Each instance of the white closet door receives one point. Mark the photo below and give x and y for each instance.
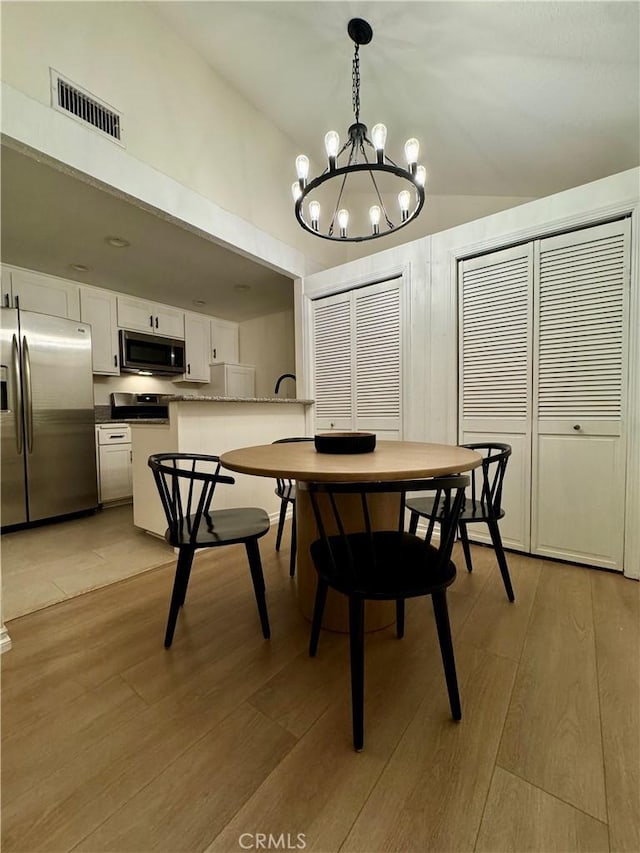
(579, 390)
(495, 374)
(378, 359)
(333, 373)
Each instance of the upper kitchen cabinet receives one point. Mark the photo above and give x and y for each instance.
(197, 343)
(225, 342)
(41, 293)
(142, 316)
(98, 308)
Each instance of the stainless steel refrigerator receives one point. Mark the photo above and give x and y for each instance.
(48, 463)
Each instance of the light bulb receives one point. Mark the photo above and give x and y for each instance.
(411, 151)
(343, 221)
(404, 199)
(332, 143)
(296, 192)
(374, 216)
(379, 136)
(421, 176)
(302, 166)
(314, 214)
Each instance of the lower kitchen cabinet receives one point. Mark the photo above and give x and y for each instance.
(115, 481)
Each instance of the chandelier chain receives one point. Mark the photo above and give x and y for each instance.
(355, 76)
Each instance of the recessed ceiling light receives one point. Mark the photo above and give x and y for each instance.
(117, 242)
(80, 267)
(242, 288)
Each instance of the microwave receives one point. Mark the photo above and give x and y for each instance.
(150, 354)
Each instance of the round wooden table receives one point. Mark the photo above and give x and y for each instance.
(391, 460)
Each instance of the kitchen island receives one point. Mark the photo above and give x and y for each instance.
(214, 425)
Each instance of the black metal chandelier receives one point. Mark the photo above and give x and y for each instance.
(370, 173)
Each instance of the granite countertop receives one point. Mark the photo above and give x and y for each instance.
(101, 420)
(196, 398)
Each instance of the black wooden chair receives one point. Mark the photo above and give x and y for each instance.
(383, 565)
(186, 483)
(286, 491)
(484, 505)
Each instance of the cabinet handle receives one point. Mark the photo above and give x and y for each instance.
(6, 300)
(188, 368)
(577, 427)
(151, 320)
(131, 456)
(156, 322)
(214, 352)
(17, 301)
(115, 361)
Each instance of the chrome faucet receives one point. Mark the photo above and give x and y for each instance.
(280, 378)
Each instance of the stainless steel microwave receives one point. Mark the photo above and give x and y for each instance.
(150, 354)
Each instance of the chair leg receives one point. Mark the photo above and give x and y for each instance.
(255, 566)
(283, 512)
(183, 569)
(441, 613)
(413, 522)
(400, 618)
(462, 528)
(356, 646)
(494, 530)
(318, 611)
(294, 543)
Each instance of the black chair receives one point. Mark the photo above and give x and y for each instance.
(385, 565)
(286, 491)
(484, 505)
(186, 483)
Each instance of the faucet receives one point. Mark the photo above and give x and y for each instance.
(280, 378)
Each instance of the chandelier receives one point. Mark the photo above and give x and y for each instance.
(366, 164)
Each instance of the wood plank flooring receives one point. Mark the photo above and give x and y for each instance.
(111, 743)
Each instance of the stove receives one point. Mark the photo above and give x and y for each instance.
(132, 406)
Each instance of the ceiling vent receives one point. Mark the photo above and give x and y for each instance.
(85, 107)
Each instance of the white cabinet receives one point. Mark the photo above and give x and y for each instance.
(142, 316)
(357, 352)
(98, 308)
(197, 342)
(233, 380)
(42, 293)
(543, 367)
(225, 342)
(115, 481)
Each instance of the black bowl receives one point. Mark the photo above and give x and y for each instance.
(345, 442)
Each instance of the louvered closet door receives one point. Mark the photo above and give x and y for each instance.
(579, 392)
(332, 372)
(378, 359)
(495, 299)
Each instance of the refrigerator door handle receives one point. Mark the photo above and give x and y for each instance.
(17, 394)
(28, 403)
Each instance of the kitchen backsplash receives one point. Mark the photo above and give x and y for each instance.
(103, 386)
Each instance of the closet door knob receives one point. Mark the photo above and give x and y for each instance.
(577, 427)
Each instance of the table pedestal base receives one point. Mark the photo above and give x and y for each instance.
(384, 513)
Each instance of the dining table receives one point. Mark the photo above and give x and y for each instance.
(389, 461)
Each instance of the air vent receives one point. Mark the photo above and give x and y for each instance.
(72, 100)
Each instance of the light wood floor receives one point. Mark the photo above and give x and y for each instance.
(111, 743)
(44, 565)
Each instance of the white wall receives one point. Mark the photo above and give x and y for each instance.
(269, 344)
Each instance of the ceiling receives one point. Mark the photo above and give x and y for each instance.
(517, 99)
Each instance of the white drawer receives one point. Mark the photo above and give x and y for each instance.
(113, 434)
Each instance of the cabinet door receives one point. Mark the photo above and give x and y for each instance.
(225, 346)
(136, 314)
(115, 472)
(240, 380)
(98, 308)
(332, 369)
(495, 374)
(45, 294)
(579, 395)
(197, 345)
(168, 322)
